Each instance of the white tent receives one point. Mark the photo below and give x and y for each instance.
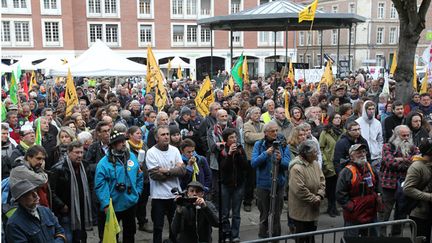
(25, 63)
(50, 63)
(5, 68)
(100, 60)
(175, 63)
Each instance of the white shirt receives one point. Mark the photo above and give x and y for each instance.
(167, 160)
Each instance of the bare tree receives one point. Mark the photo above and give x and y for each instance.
(412, 23)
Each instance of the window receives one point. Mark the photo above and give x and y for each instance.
(205, 35)
(235, 6)
(319, 37)
(309, 60)
(19, 3)
(145, 8)
(4, 4)
(191, 35)
(379, 60)
(5, 32)
(301, 58)
(16, 33)
(309, 39)
(177, 7)
(268, 38)
(351, 8)
(380, 35)
(16, 7)
(50, 7)
(237, 38)
(318, 60)
(145, 34)
(334, 37)
(52, 33)
(263, 1)
(301, 38)
(392, 35)
(334, 9)
(393, 12)
(191, 7)
(103, 8)
(206, 7)
(381, 7)
(107, 32)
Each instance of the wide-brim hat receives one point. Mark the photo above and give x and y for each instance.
(116, 136)
(22, 187)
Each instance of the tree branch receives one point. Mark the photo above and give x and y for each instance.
(423, 9)
(411, 9)
(400, 8)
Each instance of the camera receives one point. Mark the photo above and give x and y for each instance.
(183, 200)
(121, 187)
(276, 144)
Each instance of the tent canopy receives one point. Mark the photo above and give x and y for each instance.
(176, 62)
(25, 63)
(5, 68)
(50, 63)
(279, 15)
(100, 60)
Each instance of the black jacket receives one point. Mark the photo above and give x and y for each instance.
(390, 123)
(233, 168)
(186, 219)
(17, 152)
(94, 154)
(49, 142)
(209, 121)
(341, 155)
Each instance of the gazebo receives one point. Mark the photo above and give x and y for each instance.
(279, 15)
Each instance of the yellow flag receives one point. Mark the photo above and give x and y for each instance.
(415, 78)
(154, 74)
(229, 87)
(245, 71)
(169, 65)
(308, 13)
(32, 80)
(112, 227)
(204, 98)
(287, 98)
(71, 96)
(424, 84)
(328, 74)
(161, 95)
(291, 74)
(179, 73)
(394, 64)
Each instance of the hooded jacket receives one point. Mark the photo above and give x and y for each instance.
(341, 150)
(371, 130)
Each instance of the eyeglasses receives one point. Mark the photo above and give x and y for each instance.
(354, 130)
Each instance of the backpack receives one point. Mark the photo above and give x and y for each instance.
(8, 207)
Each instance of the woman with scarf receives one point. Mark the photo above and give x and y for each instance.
(65, 136)
(328, 138)
(297, 115)
(136, 144)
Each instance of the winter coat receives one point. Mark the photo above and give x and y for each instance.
(252, 133)
(418, 186)
(306, 182)
(371, 130)
(94, 154)
(284, 128)
(233, 168)
(327, 142)
(389, 124)
(341, 155)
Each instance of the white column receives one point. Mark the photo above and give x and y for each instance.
(261, 66)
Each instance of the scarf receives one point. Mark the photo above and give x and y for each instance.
(75, 203)
(135, 146)
(195, 167)
(24, 146)
(336, 130)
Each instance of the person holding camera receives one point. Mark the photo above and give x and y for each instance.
(194, 217)
(233, 168)
(118, 176)
(267, 153)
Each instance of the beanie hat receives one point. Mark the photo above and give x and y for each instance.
(174, 129)
(116, 137)
(185, 111)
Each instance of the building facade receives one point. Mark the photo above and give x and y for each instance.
(65, 28)
(372, 42)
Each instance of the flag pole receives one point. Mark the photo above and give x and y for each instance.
(307, 47)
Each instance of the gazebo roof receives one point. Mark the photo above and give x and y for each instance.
(279, 15)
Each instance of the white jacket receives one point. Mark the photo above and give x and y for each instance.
(371, 130)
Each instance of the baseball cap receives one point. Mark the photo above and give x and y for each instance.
(356, 147)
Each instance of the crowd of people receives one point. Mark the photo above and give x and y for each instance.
(348, 143)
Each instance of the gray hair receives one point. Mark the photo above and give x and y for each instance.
(304, 126)
(252, 110)
(84, 136)
(396, 132)
(159, 116)
(269, 124)
(125, 114)
(120, 127)
(267, 103)
(306, 147)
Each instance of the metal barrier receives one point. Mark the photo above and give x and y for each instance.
(285, 238)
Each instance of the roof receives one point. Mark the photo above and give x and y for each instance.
(279, 15)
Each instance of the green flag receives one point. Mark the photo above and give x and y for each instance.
(3, 112)
(38, 139)
(236, 72)
(18, 73)
(13, 89)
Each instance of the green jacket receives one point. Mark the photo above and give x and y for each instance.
(327, 142)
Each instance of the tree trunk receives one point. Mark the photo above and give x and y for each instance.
(412, 23)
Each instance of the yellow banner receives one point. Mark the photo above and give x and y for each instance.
(71, 96)
(308, 13)
(204, 98)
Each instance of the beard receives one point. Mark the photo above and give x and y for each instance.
(404, 145)
(361, 161)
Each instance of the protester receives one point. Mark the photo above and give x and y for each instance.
(395, 119)
(27, 139)
(8, 145)
(418, 127)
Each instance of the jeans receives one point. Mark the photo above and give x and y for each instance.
(160, 208)
(249, 185)
(79, 236)
(231, 200)
(360, 232)
(141, 212)
(389, 199)
(263, 202)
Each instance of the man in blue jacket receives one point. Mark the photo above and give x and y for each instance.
(118, 176)
(264, 157)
